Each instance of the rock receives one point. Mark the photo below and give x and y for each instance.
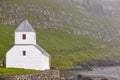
(70, 78)
(62, 78)
(87, 78)
(2, 79)
(43, 75)
(104, 79)
(78, 67)
(79, 76)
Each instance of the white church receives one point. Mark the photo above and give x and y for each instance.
(26, 53)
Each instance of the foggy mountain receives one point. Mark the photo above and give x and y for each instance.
(79, 17)
(106, 7)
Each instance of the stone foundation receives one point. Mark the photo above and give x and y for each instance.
(44, 75)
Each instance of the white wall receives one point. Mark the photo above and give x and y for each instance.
(34, 59)
(30, 38)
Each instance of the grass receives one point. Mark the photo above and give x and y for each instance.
(6, 39)
(14, 71)
(65, 49)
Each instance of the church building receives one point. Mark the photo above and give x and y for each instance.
(26, 53)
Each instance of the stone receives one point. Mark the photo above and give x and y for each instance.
(44, 75)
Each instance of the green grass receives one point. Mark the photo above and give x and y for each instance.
(6, 39)
(14, 71)
(65, 49)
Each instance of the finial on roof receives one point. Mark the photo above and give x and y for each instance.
(25, 26)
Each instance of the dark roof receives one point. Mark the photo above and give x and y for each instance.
(25, 26)
(38, 47)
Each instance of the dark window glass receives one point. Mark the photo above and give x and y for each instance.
(24, 36)
(24, 53)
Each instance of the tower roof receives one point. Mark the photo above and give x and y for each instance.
(25, 26)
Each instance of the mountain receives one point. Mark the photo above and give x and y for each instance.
(58, 15)
(103, 7)
(69, 34)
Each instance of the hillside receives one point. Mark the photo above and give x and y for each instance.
(58, 15)
(68, 34)
(101, 7)
(66, 49)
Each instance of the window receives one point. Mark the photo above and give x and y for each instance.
(24, 36)
(24, 53)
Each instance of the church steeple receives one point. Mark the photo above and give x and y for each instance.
(25, 26)
(25, 34)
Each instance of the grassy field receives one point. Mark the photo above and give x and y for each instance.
(6, 39)
(13, 71)
(65, 49)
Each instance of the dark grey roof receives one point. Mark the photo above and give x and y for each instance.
(38, 47)
(25, 26)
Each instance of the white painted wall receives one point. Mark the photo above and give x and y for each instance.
(30, 38)
(34, 59)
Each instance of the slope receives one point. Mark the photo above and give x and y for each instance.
(68, 34)
(65, 49)
(58, 15)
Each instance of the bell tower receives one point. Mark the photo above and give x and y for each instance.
(25, 34)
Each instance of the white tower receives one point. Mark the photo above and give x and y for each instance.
(26, 53)
(25, 34)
